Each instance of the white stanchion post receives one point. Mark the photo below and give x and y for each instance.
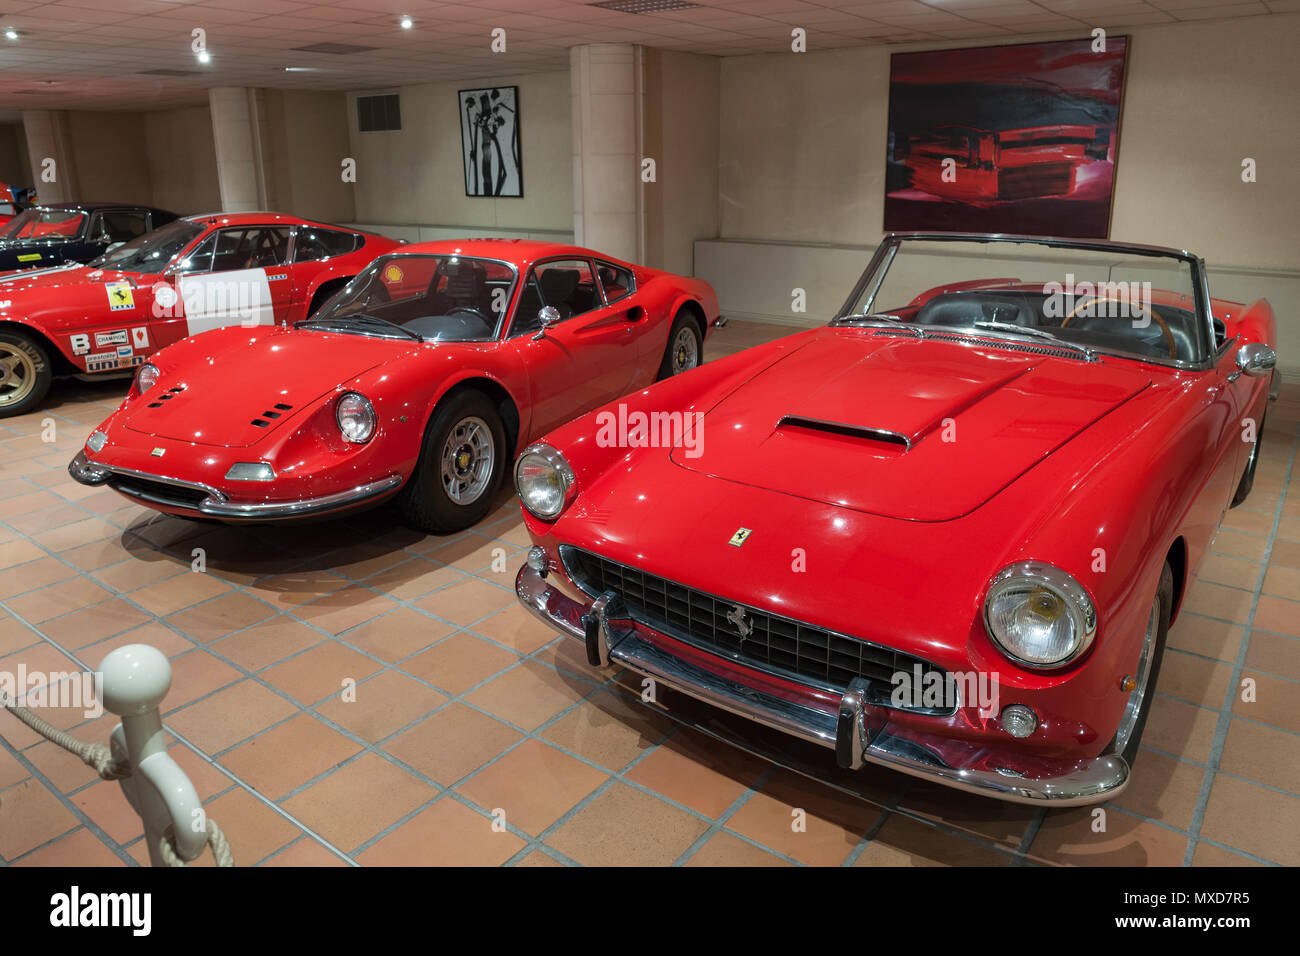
(136, 679)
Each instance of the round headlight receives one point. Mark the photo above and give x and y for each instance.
(543, 479)
(146, 378)
(1038, 615)
(356, 418)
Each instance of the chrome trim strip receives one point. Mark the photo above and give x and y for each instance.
(209, 490)
(864, 431)
(1084, 782)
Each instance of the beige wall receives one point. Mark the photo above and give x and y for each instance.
(682, 105)
(307, 140)
(415, 175)
(15, 168)
(802, 146)
(182, 163)
(111, 155)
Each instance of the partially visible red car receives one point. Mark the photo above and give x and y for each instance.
(191, 275)
(420, 379)
(945, 534)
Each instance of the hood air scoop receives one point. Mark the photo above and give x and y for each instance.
(882, 435)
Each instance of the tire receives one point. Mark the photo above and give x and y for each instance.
(685, 348)
(460, 426)
(1127, 740)
(1248, 476)
(25, 373)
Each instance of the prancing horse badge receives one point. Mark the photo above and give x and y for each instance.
(740, 537)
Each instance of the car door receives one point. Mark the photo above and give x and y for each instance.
(239, 275)
(315, 254)
(586, 359)
(619, 286)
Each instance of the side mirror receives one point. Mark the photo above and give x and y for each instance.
(547, 316)
(1256, 360)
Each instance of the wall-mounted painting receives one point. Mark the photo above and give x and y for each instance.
(1011, 139)
(489, 134)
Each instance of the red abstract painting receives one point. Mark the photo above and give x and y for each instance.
(1012, 139)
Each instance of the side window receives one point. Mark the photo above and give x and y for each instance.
(617, 282)
(121, 226)
(565, 284)
(200, 260)
(257, 247)
(314, 244)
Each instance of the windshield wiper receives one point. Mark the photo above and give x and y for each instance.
(1031, 332)
(362, 318)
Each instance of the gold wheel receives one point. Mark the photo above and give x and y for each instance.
(17, 375)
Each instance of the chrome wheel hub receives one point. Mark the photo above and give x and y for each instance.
(686, 353)
(468, 460)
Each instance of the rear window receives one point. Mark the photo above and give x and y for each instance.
(314, 244)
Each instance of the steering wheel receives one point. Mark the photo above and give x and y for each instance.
(1164, 326)
(470, 310)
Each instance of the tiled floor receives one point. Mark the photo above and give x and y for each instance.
(468, 712)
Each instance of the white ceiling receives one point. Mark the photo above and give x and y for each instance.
(90, 54)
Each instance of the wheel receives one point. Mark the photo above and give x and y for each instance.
(25, 373)
(684, 346)
(1147, 670)
(1248, 476)
(461, 462)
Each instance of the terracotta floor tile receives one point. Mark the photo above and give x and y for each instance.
(598, 835)
(1262, 753)
(383, 705)
(40, 606)
(698, 772)
(1193, 679)
(445, 834)
(230, 715)
(460, 662)
(1206, 637)
(1163, 789)
(467, 601)
(78, 629)
(1231, 571)
(253, 829)
(414, 579)
(1252, 818)
(214, 619)
(903, 841)
(1274, 701)
(399, 634)
(1217, 601)
(1180, 728)
(1282, 582)
(11, 771)
(266, 643)
(516, 628)
(80, 848)
(105, 804)
(1207, 854)
(727, 849)
(344, 609)
(1069, 837)
(452, 743)
(197, 674)
(288, 755)
(1274, 653)
(609, 730)
(320, 672)
(305, 852)
(1278, 615)
(534, 785)
(530, 694)
(1240, 545)
(32, 576)
(357, 801)
(1001, 823)
(804, 820)
(539, 858)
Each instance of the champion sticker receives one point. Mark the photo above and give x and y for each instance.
(105, 339)
(120, 297)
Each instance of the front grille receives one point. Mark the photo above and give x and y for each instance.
(1034, 180)
(159, 492)
(777, 645)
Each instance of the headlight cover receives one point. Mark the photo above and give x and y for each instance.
(543, 479)
(146, 378)
(97, 441)
(1038, 615)
(356, 417)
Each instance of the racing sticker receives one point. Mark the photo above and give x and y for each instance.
(111, 361)
(125, 351)
(80, 343)
(104, 339)
(272, 276)
(140, 338)
(120, 296)
(393, 273)
(30, 257)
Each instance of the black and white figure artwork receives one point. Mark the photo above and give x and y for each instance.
(489, 132)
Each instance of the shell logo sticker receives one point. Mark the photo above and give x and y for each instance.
(120, 297)
(393, 273)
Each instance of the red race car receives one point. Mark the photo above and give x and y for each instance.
(420, 379)
(946, 533)
(194, 274)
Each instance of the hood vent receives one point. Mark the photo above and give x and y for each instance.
(167, 396)
(852, 431)
(271, 414)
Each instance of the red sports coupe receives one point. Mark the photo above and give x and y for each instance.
(192, 274)
(946, 533)
(420, 379)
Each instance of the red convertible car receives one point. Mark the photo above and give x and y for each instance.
(204, 272)
(946, 533)
(420, 379)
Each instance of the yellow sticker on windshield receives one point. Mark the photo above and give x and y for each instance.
(30, 257)
(120, 296)
(393, 273)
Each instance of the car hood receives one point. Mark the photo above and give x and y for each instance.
(917, 429)
(61, 277)
(233, 387)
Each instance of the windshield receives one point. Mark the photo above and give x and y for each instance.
(151, 252)
(439, 298)
(1114, 300)
(44, 224)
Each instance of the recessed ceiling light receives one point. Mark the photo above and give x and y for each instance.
(300, 69)
(406, 23)
(11, 34)
(205, 57)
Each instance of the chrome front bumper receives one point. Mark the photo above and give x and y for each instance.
(217, 505)
(859, 733)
